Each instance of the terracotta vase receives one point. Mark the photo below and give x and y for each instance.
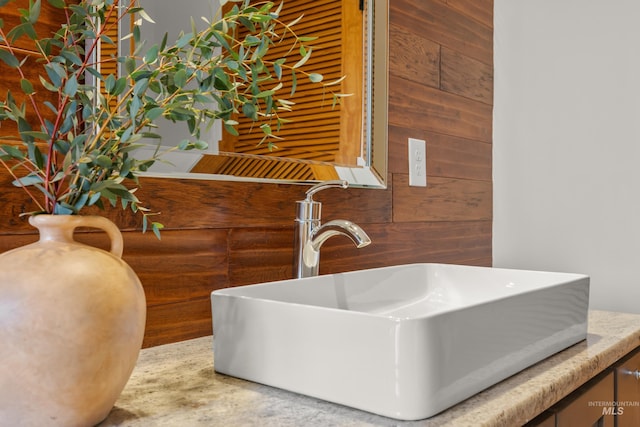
(72, 320)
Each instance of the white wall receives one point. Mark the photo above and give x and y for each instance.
(567, 142)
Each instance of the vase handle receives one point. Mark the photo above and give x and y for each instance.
(108, 227)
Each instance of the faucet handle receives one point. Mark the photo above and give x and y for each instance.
(340, 183)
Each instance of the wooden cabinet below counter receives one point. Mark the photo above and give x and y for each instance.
(610, 399)
(586, 406)
(627, 377)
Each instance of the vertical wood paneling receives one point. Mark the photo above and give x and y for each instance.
(228, 233)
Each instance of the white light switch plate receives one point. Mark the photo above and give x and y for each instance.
(417, 162)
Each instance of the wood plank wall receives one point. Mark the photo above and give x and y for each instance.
(223, 234)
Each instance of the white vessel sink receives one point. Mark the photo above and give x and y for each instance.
(406, 341)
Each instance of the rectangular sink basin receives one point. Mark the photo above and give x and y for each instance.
(404, 342)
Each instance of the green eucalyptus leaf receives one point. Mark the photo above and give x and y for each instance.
(71, 56)
(265, 94)
(47, 85)
(221, 81)
(141, 86)
(62, 208)
(126, 134)
(134, 108)
(220, 37)
(200, 145)
(269, 105)
(71, 86)
(143, 14)
(81, 202)
(152, 55)
(56, 73)
(109, 83)
(155, 86)
(180, 78)
(249, 110)
(26, 28)
(50, 106)
(306, 54)
(26, 86)
(130, 65)
(34, 11)
(251, 40)
(277, 69)
(136, 35)
(58, 4)
(184, 145)
(201, 98)
(163, 44)
(25, 130)
(80, 10)
(9, 59)
(156, 227)
(266, 129)
(104, 161)
(62, 146)
(315, 77)
(28, 180)
(262, 49)
(93, 198)
(12, 152)
(184, 40)
(120, 86)
(35, 155)
(229, 127)
(154, 113)
(127, 165)
(37, 135)
(95, 73)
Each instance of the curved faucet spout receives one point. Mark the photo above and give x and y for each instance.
(311, 248)
(340, 226)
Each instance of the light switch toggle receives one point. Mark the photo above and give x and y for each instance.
(417, 162)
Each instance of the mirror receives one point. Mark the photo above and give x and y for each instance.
(361, 126)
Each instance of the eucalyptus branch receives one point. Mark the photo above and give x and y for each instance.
(213, 74)
(16, 179)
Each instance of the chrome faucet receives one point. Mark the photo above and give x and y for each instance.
(310, 234)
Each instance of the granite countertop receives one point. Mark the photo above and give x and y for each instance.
(175, 385)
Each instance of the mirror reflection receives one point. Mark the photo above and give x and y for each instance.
(321, 141)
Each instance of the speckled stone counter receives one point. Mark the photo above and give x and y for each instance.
(175, 385)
